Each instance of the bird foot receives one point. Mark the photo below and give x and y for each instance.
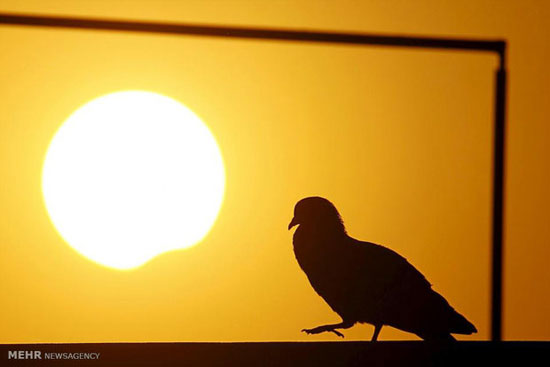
(322, 329)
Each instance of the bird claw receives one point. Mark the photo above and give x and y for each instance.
(337, 333)
(321, 329)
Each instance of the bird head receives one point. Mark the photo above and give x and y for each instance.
(317, 212)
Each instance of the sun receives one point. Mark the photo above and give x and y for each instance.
(130, 175)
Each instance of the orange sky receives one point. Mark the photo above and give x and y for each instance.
(399, 140)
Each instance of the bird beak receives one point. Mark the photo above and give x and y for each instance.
(292, 223)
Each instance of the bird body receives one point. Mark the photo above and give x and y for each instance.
(365, 282)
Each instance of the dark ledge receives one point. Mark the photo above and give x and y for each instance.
(385, 353)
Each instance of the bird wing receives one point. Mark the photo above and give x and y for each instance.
(406, 300)
(382, 267)
(371, 275)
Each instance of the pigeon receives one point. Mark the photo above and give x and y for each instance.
(367, 283)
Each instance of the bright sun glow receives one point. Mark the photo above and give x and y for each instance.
(131, 175)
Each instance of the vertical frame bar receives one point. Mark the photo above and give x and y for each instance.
(498, 199)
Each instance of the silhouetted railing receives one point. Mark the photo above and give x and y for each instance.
(279, 354)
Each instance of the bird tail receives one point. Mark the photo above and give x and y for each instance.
(462, 326)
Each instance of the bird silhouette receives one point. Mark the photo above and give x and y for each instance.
(367, 283)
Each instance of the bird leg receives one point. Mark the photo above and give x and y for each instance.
(330, 328)
(377, 329)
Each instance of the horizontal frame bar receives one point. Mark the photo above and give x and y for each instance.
(252, 33)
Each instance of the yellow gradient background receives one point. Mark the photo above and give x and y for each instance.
(399, 140)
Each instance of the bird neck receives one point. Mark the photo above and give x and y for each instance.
(322, 231)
